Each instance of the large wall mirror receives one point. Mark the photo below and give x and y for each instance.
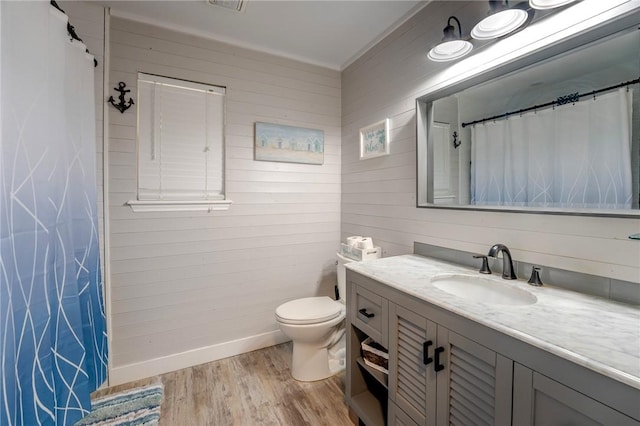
(537, 138)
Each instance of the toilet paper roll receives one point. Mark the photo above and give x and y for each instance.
(353, 241)
(365, 243)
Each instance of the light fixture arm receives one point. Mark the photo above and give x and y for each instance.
(497, 5)
(449, 30)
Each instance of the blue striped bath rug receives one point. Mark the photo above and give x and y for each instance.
(134, 407)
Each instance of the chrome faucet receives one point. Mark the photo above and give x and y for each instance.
(507, 263)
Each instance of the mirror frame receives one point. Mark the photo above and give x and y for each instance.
(424, 141)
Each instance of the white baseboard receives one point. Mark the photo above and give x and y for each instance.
(153, 367)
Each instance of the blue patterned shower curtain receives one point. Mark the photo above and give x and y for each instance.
(53, 343)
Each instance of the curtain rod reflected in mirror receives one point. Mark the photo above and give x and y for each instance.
(561, 100)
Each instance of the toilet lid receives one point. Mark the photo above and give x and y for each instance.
(309, 310)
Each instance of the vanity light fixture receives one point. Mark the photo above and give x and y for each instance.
(501, 20)
(548, 4)
(452, 46)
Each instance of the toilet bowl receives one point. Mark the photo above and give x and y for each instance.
(316, 327)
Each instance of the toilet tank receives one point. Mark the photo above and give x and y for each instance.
(342, 276)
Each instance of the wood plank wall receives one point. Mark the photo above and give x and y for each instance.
(379, 195)
(186, 281)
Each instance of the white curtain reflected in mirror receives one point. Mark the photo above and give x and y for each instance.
(571, 156)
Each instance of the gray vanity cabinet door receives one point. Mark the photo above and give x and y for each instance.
(412, 384)
(540, 401)
(397, 417)
(472, 387)
(475, 386)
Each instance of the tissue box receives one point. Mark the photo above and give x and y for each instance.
(375, 356)
(360, 254)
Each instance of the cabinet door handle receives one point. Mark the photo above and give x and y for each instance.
(437, 366)
(368, 315)
(426, 359)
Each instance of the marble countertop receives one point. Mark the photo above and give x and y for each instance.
(562, 322)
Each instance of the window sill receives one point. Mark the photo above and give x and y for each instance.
(142, 206)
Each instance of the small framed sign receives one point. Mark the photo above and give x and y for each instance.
(374, 140)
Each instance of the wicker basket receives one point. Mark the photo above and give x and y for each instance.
(375, 355)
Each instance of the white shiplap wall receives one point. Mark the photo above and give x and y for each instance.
(190, 287)
(379, 195)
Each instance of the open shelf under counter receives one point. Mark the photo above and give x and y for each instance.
(381, 377)
(369, 409)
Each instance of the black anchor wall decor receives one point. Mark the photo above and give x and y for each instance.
(121, 106)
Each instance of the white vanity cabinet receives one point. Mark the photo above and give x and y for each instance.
(449, 369)
(439, 377)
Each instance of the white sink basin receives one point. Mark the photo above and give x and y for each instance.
(483, 289)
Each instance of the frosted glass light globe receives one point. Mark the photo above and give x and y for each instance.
(499, 24)
(450, 50)
(548, 4)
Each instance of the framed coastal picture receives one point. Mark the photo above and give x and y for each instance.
(277, 142)
(374, 140)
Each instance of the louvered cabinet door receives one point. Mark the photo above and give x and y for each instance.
(397, 417)
(411, 382)
(475, 386)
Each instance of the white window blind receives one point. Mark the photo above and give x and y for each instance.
(180, 140)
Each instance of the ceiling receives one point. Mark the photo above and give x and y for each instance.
(331, 34)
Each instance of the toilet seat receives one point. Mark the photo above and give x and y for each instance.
(308, 310)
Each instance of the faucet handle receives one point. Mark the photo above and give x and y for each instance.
(484, 269)
(535, 277)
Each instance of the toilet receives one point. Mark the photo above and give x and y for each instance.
(316, 327)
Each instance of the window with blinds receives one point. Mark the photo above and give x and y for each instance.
(180, 140)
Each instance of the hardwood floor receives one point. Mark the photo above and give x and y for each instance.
(249, 389)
